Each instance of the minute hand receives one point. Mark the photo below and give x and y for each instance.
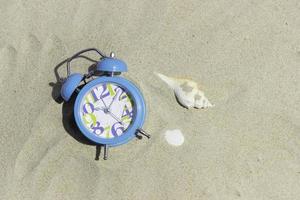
(116, 118)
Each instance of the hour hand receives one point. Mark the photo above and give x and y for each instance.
(100, 108)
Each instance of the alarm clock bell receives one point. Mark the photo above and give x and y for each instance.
(111, 64)
(70, 85)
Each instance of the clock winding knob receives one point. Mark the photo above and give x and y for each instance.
(112, 54)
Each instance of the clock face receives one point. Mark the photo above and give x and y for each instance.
(106, 110)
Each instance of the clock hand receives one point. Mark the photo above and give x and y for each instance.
(97, 103)
(103, 102)
(105, 110)
(99, 108)
(114, 98)
(116, 118)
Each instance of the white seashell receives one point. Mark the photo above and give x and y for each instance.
(201, 101)
(174, 137)
(186, 92)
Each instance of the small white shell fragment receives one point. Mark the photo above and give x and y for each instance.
(174, 137)
(186, 92)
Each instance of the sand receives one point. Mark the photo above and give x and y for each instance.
(244, 54)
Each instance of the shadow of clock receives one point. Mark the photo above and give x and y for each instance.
(70, 126)
(69, 122)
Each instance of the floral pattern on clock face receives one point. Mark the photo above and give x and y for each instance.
(106, 110)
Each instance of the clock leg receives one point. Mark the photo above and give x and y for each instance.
(105, 152)
(98, 152)
(144, 133)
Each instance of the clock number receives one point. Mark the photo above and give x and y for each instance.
(127, 112)
(97, 129)
(117, 129)
(105, 92)
(88, 108)
(122, 95)
(88, 116)
(100, 92)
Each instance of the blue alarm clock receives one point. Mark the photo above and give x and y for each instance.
(109, 110)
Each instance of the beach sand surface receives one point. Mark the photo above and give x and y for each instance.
(245, 55)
